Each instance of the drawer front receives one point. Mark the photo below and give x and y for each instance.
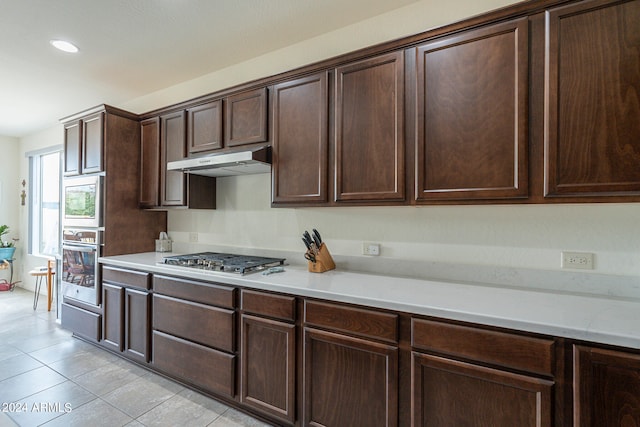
(499, 348)
(210, 326)
(205, 293)
(276, 306)
(81, 322)
(365, 323)
(130, 278)
(204, 367)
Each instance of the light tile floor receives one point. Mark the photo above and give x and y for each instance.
(49, 378)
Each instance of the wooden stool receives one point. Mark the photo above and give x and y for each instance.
(40, 273)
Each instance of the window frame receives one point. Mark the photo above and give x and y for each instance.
(34, 199)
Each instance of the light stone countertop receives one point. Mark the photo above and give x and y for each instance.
(595, 318)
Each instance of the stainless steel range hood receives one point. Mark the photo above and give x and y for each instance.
(229, 163)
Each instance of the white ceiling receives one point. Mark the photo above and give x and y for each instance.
(130, 48)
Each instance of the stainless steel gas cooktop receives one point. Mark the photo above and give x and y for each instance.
(228, 263)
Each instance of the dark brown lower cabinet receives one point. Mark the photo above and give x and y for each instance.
(349, 381)
(606, 388)
(447, 392)
(137, 327)
(267, 372)
(84, 323)
(125, 321)
(112, 316)
(193, 340)
(202, 366)
(200, 323)
(126, 310)
(307, 362)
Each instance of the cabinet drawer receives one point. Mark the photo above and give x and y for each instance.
(499, 348)
(204, 293)
(276, 306)
(365, 323)
(130, 278)
(81, 322)
(207, 368)
(211, 326)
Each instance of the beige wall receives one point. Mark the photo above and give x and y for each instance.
(522, 236)
(514, 236)
(10, 187)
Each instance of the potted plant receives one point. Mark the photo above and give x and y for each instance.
(6, 248)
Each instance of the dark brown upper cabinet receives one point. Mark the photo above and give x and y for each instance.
(84, 145)
(172, 147)
(369, 130)
(161, 141)
(246, 118)
(204, 130)
(72, 147)
(93, 143)
(300, 140)
(472, 99)
(592, 93)
(150, 163)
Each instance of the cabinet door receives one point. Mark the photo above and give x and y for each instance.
(606, 388)
(300, 144)
(150, 163)
(204, 131)
(113, 316)
(349, 381)
(72, 147)
(268, 365)
(472, 135)
(592, 90)
(448, 393)
(137, 325)
(370, 153)
(92, 143)
(172, 147)
(246, 118)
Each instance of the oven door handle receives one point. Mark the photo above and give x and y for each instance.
(79, 248)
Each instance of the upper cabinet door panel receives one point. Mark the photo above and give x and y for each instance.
(369, 123)
(92, 143)
(246, 118)
(150, 162)
(300, 143)
(173, 147)
(204, 130)
(592, 137)
(472, 136)
(72, 144)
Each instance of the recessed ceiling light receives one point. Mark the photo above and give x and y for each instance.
(64, 46)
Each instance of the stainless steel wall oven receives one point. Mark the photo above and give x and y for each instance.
(79, 275)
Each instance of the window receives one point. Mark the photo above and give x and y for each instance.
(44, 213)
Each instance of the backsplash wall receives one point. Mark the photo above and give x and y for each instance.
(521, 236)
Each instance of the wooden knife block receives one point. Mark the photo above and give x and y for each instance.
(324, 262)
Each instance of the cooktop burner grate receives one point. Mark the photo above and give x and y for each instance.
(228, 263)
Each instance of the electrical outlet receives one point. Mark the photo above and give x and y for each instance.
(580, 260)
(371, 249)
(193, 237)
